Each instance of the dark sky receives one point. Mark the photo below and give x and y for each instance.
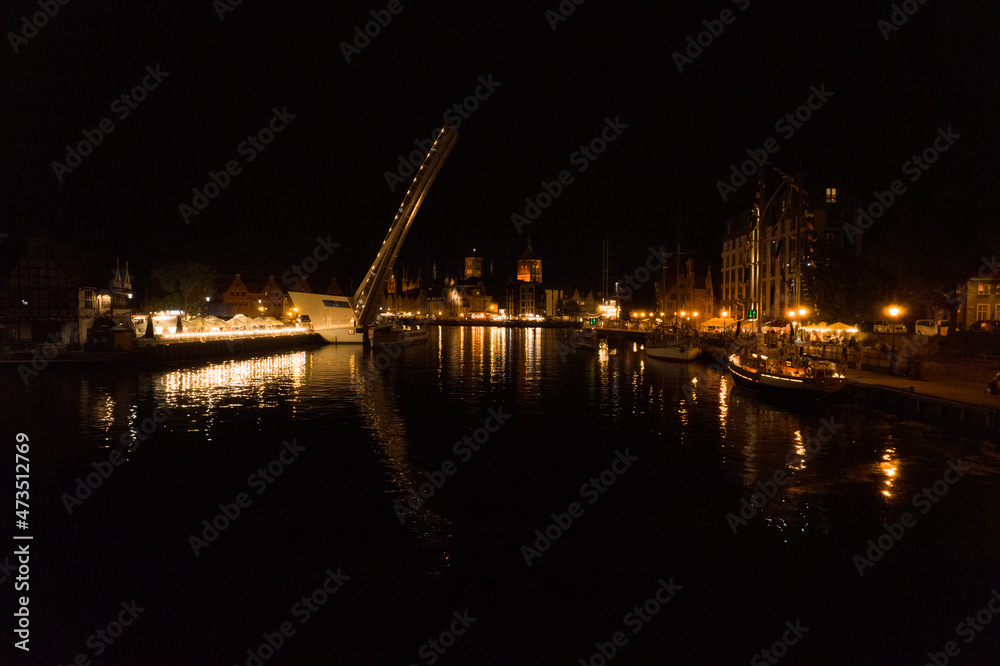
(324, 174)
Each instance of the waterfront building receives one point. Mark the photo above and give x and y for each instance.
(246, 298)
(692, 291)
(51, 293)
(802, 238)
(982, 300)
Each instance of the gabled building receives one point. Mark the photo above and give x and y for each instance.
(51, 293)
(692, 291)
(245, 297)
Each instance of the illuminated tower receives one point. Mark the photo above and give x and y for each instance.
(473, 267)
(529, 267)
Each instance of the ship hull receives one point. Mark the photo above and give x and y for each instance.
(780, 386)
(682, 352)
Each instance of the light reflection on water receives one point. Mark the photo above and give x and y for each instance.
(461, 371)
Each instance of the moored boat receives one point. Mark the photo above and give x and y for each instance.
(781, 374)
(402, 335)
(680, 349)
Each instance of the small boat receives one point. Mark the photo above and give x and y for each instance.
(401, 335)
(782, 373)
(586, 339)
(677, 349)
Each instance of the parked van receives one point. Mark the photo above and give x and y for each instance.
(928, 327)
(883, 326)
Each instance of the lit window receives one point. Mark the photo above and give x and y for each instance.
(984, 290)
(831, 195)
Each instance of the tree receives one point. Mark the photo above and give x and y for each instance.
(181, 286)
(569, 308)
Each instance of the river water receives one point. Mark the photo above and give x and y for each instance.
(586, 502)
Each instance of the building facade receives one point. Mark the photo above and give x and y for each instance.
(246, 298)
(692, 291)
(982, 300)
(50, 293)
(770, 268)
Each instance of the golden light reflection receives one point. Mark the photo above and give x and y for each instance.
(800, 451)
(237, 383)
(498, 352)
(723, 406)
(889, 467)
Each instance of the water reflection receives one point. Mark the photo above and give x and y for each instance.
(889, 467)
(688, 414)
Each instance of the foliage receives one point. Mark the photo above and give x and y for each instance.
(181, 286)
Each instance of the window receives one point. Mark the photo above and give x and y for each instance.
(831, 195)
(984, 290)
(982, 311)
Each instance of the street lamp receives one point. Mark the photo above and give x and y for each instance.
(893, 312)
(725, 313)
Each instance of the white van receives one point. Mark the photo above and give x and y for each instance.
(927, 327)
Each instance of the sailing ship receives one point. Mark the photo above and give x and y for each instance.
(782, 372)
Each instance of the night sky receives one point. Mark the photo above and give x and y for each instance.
(553, 91)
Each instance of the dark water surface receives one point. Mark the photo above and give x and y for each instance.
(364, 436)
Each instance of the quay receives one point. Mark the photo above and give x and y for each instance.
(161, 352)
(941, 402)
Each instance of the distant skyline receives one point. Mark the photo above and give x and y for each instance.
(627, 116)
